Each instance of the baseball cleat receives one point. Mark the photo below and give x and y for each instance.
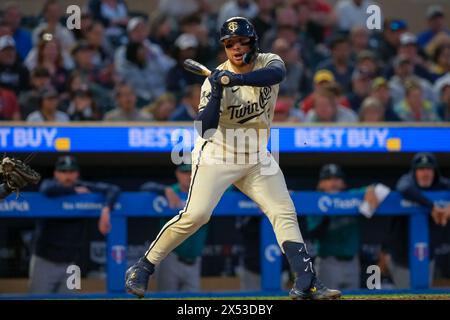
(318, 291)
(137, 276)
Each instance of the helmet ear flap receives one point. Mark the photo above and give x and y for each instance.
(250, 56)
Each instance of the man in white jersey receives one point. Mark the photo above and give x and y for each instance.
(233, 122)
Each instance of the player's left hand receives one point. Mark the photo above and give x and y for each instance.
(235, 78)
(104, 223)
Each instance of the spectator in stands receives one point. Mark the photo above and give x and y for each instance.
(437, 26)
(264, 19)
(236, 8)
(145, 76)
(361, 82)
(380, 91)
(285, 28)
(126, 109)
(440, 61)
(162, 108)
(408, 49)
(180, 8)
(12, 16)
(162, 31)
(49, 54)
(83, 107)
(58, 241)
(414, 107)
(207, 43)
(5, 29)
(138, 31)
(186, 47)
(403, 73)
(367, 60)
(352, 13)
(321, 13)
(29, 100)
(187, 109)
(114, 16)
(285, 111)
(371, 110)
(13, 75)
(424, 176)
(296, 82)
(181, 269)
(310, 31)
(327, 108)
(339, 64)
(389, 40)
(83, 56)
(9, 107)
(102, 52)
(338, 238)
(359, 41)
(52, 13)
(442, 89)
(103, 97)
(321, 78)
(48, 108)
(86, 21)
(46, 49)
(102, 56)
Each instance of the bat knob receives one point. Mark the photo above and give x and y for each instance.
(225, 80)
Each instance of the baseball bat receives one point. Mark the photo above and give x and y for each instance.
(197, 68)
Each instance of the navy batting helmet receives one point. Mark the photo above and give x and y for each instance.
(241, 27)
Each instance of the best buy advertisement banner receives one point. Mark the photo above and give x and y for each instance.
(170, 138)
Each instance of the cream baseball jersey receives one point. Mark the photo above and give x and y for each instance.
(247, 108)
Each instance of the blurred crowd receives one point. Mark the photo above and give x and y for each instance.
(123, 65)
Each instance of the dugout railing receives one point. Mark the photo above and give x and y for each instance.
(141, 204)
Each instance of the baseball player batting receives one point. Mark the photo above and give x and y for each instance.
(244, 104)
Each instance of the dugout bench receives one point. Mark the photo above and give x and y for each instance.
(141, 204)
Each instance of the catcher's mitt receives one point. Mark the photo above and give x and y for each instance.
(18, 174)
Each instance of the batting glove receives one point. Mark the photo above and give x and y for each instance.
(216, 86)
(235, 79)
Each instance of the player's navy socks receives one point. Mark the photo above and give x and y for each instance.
(301, 264)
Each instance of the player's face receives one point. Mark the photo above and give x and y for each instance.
(424, 177)
(333, 184)
(235, 48)
(66, 178)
